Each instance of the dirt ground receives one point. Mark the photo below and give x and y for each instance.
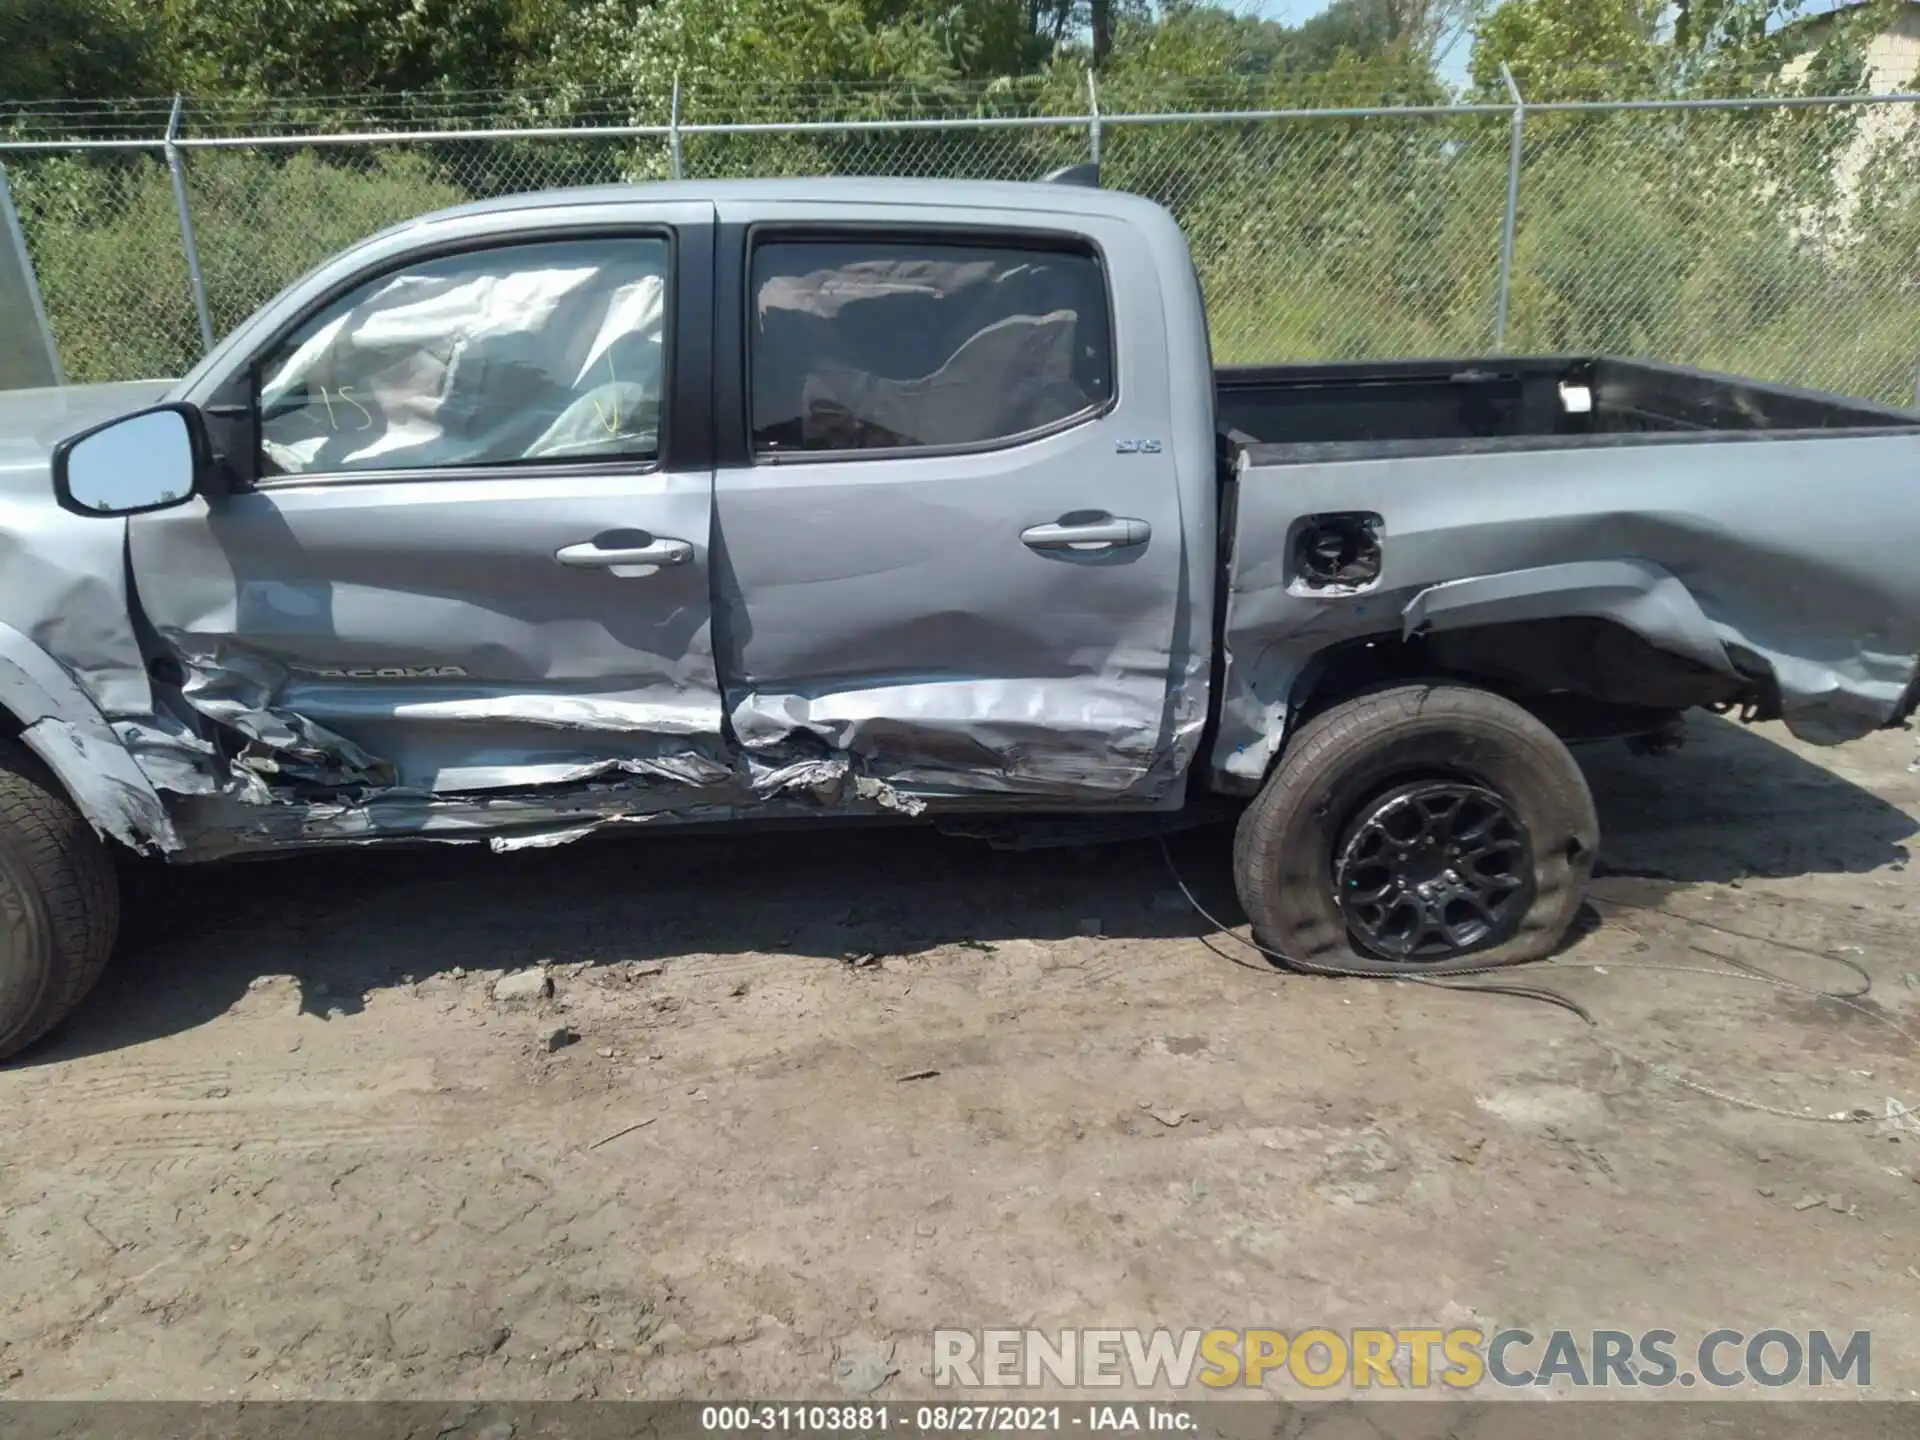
(294, 1146)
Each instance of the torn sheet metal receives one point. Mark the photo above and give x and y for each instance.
(177, 761)
(231, 821)
(105, 782)
(831, 783)
(282, 745)
(1785, 562)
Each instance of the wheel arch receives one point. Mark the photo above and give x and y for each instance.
(45, 709)
(1594, 646)
(1607, 645)
(1637, 596)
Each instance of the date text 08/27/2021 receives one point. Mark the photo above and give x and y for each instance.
(943, 1419)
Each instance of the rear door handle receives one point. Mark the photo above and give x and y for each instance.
(1107, 532)
(654, 555)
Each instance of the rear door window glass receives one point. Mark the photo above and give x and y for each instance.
(860, 345)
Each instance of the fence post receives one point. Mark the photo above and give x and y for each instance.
(16, 239)
(673, 128)
(1512, 218)
(194, 278)
(1093, 118)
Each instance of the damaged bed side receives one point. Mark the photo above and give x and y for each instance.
(1768, 571)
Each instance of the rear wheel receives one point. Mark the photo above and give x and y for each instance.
(59, 903)
(1423, 829)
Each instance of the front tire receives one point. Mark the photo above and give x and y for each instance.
(1424, 829)
(59, 902)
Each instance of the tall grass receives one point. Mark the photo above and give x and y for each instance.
(1783, 244)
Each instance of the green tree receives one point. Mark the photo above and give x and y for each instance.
(1197, 41)
(637, 48)
(78, 49)
(1416, 31)
(291, 48)
(1571, 49)
(1625, 49)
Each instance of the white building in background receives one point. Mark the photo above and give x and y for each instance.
(1893, 68)
(1893, 56)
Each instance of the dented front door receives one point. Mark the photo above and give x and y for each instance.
(470, 552)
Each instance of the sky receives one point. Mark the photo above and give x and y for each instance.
(1287, 12)
(1291, 12)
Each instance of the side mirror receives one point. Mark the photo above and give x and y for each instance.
(150, 460)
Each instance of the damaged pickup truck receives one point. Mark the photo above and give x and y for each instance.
(690, 503)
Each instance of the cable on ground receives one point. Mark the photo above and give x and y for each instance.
(1741, 970)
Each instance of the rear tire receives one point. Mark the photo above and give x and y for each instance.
(59, 902)
(1359, 761)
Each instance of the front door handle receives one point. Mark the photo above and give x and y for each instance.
(1102, 532)
(653, 555)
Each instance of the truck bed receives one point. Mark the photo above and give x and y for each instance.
(1499, 403)
(1587, 531)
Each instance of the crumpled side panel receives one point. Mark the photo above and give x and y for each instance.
(290, 781)
(975, 737)
(295, 783)
(1789, 556)
(232, 821)
(104, 782)
(240, 695)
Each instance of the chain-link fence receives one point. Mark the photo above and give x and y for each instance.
(1777, 236)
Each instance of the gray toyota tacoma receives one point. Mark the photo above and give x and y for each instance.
(690, 503)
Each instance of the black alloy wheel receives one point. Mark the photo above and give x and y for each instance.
(1433, 869)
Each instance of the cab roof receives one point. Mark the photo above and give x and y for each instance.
(1037, 196)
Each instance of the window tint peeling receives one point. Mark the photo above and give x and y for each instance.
(862, 345)
(537, 352)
